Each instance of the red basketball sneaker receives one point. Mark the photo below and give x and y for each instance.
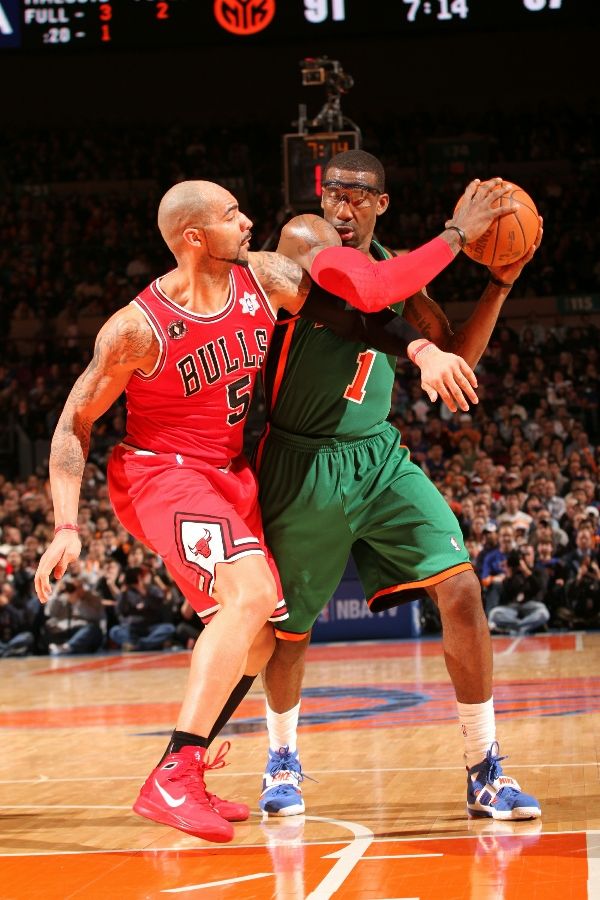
(175, 794)
(233, 812)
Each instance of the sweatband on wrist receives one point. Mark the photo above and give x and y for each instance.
(66, 527)
(426, 348)
(424, 343)
(498, 283)
(350, 274)
(462, 236)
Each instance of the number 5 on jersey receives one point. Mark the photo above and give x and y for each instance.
(356, 390)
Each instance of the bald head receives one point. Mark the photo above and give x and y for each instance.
(189, 203)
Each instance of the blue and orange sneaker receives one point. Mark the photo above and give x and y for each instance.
(281, 794)
(491, 793)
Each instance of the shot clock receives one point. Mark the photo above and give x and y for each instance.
(305, 157)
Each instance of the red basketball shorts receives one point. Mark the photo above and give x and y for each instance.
(193, 515)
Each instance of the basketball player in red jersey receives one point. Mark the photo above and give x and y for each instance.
(187, 351)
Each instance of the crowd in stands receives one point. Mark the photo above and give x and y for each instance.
(520, 470)
(521, 473)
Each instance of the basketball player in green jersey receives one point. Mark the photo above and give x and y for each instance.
(335, 479)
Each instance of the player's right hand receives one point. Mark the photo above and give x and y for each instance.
(448, 376)
(511, 271)
(64, 549)
(476, 213)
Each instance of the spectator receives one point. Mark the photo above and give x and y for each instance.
(140, 611)
(20, 575)
(584, 552)
(554, 503)
(494, 568)
(190, 626)
(556, 571)
(74, 619)
(521, 609)
(15, 639)
(487, 537)
(583, 594)
(109, 586)
(513, 512)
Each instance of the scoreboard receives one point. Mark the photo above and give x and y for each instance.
(305, 157)
(52, 25)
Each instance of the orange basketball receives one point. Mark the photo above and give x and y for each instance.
(510, 237)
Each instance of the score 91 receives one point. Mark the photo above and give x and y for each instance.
(316, 11)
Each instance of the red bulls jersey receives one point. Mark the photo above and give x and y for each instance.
(196, 399)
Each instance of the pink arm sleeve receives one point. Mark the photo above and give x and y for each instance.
(350, 274)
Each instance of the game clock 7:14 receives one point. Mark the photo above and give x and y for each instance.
(305, 157)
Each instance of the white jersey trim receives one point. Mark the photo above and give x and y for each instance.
(186, 313)
(208, 612)
(230, 559)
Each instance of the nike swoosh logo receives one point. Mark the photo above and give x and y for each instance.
(172, 801)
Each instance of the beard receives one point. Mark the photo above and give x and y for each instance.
(234, 261)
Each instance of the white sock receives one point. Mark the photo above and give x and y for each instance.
(283, 727)
(478, 726)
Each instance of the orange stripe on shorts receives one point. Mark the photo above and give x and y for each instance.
(288, 636)
(426, 582)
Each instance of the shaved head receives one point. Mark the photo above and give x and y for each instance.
(189, 203)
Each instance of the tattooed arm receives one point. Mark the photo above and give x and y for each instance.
(125, 343)
(468, 341)
(285, 283)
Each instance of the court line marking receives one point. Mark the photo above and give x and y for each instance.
(58, 806)
(579, 641)
(593, 861)
(213, 847)
(347, 857)
(511, 647)
(403, 856)
(42, 779)
(211, 884)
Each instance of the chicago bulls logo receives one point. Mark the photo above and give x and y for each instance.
(202, 546)
(203, 541)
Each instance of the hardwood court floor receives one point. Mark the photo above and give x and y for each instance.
(385, 821)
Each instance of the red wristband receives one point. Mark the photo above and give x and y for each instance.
(424, 343)
(66, 528)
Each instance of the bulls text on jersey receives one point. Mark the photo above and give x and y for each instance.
(210, 362)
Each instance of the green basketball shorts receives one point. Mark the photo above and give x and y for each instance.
(323, 499)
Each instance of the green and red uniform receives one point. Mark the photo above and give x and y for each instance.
(335, 479)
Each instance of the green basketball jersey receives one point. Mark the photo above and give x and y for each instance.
(317, 384)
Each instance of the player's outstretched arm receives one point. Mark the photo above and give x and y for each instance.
(303, 237)
(442, 374)
(125, 343)
(350, 274)
(472, 338)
